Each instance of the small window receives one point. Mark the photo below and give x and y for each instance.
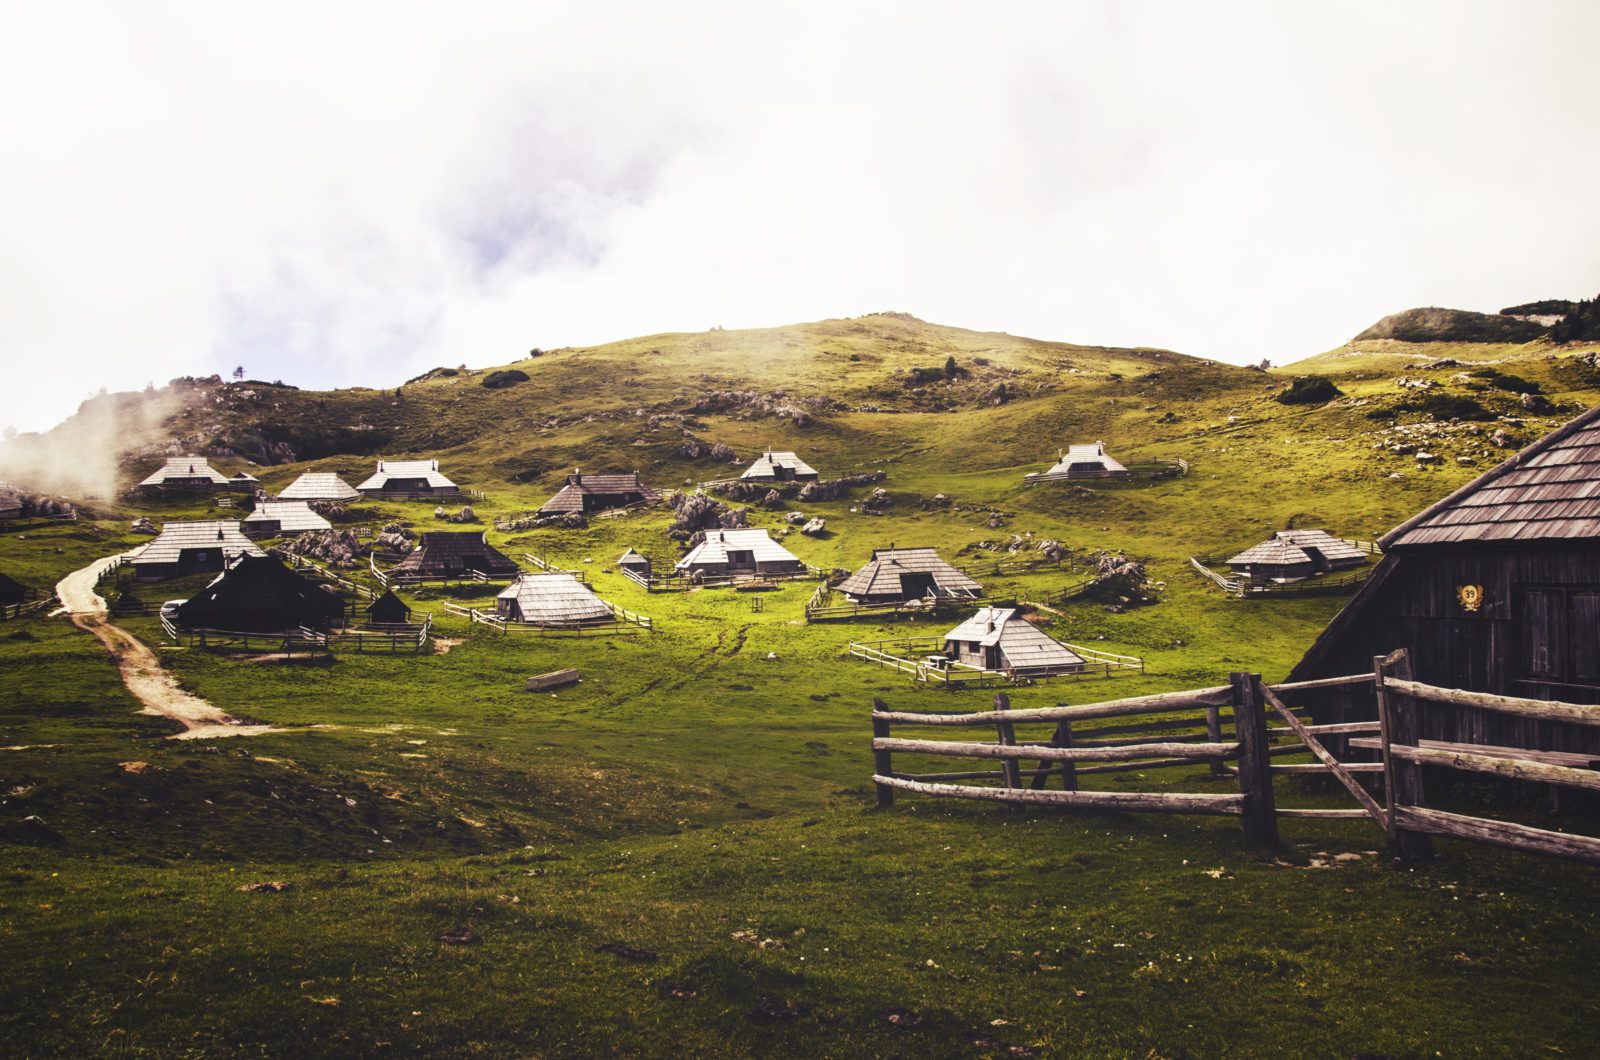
(1558, 635)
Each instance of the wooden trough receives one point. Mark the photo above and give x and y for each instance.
(553, 679)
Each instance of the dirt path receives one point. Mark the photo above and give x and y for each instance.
(141, 670)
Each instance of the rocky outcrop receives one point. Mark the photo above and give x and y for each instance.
(694, 512)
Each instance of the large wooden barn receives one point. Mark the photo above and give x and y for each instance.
(1295, 555)
(258, 594)
(456, 554)
(184, 474)
(588, 494)
(284, 518)
(999, 638)
(779, 466)
(555, 601)
(408, 479)
(1496, 588)
(732, 553)
(192, 548)
(901, 575)
(319, 486)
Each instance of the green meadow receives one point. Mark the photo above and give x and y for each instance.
(680, 854)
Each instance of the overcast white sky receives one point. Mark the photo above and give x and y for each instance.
(350, 193)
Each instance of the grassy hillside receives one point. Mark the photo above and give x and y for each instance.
(612, 846)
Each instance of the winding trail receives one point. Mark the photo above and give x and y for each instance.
(152, 686)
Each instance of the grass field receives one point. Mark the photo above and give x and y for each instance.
(678, 855)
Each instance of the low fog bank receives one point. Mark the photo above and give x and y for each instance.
(80, 457)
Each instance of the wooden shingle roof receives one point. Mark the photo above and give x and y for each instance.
(185, 467)
(1093, 453)
(319, 486)
(714, 546)
(406, 469)
(1025, 645)
(881, 575)
(1274, 552)
(555, 600)
(178, 537)
(570, 497)
(766, 465)
(292, 517)
(441, 552)
(1548, 491)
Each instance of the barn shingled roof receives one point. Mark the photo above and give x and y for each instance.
(450, 551)
(319, 486)
(765, 466)
(261, 584)
(1275, 551)
(554, 600)
(881, 574)
(1093, 453)
(292, 517)
(1548, 491)
(177, 537)
(185, 467)
(1025, 645)
(569, 498)
(716, 544)
(406, 469)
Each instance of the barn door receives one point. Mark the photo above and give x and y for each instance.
(1544, 632)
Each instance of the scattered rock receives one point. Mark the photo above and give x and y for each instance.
(134, 767)
(458, 937)
(265, 887)
(677, 991)
(815, 526)
(776, 1008)
(636, 954)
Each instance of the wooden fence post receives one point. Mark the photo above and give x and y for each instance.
(1069, 769)
(1010, 768)
(1402, 780)
(1214, 734)
(882, 761)
(1260, 817)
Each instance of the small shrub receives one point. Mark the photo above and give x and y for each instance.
(503, 379)
(1309, 390)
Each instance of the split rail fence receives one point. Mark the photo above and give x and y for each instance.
(1237, 587)
(622, 621)
(25, 608)
(1236, 730)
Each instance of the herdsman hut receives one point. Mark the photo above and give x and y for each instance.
(631, 562)
(192, 548)
(1086, 461)
(779, 466)
(900, 575)
(456, 554)
(998, 638)
(588, 494)
(731, 553)
(557, 601)
(407, 479)
(319, 486)
(388, 610)
(283, 518)
(12, 592)
(184, 474)
(10, 502)
(258, 594)
(1496, 589)
(1294, 555)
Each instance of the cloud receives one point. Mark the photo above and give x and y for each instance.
(350, 194)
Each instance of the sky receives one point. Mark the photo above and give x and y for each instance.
(349, 194)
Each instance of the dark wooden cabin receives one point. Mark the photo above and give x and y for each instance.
(900, 575)
(388, 610)
(258, 594)
(1496, 588)
(456, 554)
(12, 591)
(588, 494)
(193, 547)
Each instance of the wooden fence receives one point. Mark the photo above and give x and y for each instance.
(676, 582)
(544, 564)
(299, 562)
(820, 608)
(1193, 731)
(1238, 587)
(25, 608)
(909, 656)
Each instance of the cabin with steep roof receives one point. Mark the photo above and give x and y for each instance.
(999, 638)
(407, 480)
(901, 575)
(1295, 555)
(553, 601)
(1086, 462)
(631, 562)
(388, 610)
(10, 502)
(320, 486)
(192, 547)
(1496, 588)
(13, 592)
(590, 494)
(736, 553)
(779, 466)
(456, 554)
(258, 594)
(283, 519)
(184, 474)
